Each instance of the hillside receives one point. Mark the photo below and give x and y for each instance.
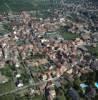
(20, 5)
(15, 5)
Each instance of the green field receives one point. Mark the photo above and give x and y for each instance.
(7, 97)
(69, 36)
(63, 31)
(6, 87)
(14, 97)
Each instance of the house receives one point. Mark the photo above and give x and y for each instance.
(20, 85)
(18, 75)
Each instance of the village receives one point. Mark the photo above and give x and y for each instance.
(49, 58)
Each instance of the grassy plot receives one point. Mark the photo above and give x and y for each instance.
(63, 31)
(69, 36)
(13, 97)
(7, 97)
(37, 98)
(6, 87)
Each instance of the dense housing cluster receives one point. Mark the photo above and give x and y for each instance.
(50, 52)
